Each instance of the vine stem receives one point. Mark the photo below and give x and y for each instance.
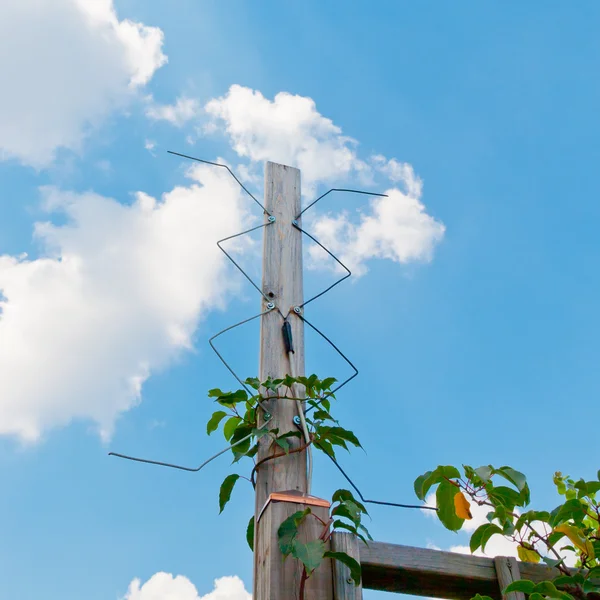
(302, 584)
(279, 455)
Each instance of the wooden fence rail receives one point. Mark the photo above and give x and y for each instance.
(424, 572)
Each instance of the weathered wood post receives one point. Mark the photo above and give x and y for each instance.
(279, 479)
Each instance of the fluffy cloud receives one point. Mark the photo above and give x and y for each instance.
(64, 65)
(118, 291)
(397, 228)
(163, 586)
(288, 130)
(177, 114)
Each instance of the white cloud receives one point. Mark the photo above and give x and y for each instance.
(289, 130)
(118, 291)
(65, 65)
(163, 586)
(397, 228)
(177, 114)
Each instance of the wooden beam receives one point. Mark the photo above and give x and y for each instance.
(424, 572)
(343, 585)
(507, 570)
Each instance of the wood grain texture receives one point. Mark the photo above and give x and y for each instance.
(507, 571)
(282, 277)
(424, 572)
(279, 580)
(343, 585)
(275, 579)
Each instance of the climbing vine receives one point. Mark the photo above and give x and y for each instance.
(238, 420)
(540, 536)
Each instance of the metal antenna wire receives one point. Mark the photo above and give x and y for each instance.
(271, 306)
(214, 164)
(338, 190)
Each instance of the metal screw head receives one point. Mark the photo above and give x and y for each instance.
(297, 310)
(271, 219)
(296, 420)
(270, 306)
(294, 222)
(267, 416)
(349, 580)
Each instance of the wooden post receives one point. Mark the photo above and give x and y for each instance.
(507, 570)
(343, 586)
(282, 283)
(280, 478)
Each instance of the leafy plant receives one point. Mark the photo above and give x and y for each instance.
(238, 420)
(346, 514)
(539, 535)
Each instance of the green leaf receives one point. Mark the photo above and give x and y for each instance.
(548, 589)
(430, 478)
(311, 554)
(571, 509)
(288, 530)
(484, 473)
(327, 383)
(229, 398)
(552, 562)
(419, 481)
(445, 503)
(215, 393)
(337, 524)
(592, 487)
(345, 434)
(322, 415)
(563, 580)
(504, 496)
(230, 426)
(351, 563)
(521, 585)
(342, 495)
(482, 535)
(326, 447)
(515, 477)
(214, 421)
(348, 510)
(532, 515)
(363, 528)
(253, 382)
(283, 442)
(480, 597)
(226, 489)
(252, 452)
(250, 533)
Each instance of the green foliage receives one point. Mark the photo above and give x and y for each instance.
(348, 514)
(250, 533)
(226, 489)
(539, 534)
(239, 417)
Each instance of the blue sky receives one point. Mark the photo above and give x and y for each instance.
(473, 320)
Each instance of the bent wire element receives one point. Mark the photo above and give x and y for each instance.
(270, 306)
